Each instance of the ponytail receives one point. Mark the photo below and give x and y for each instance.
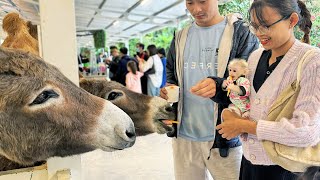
(305, 23)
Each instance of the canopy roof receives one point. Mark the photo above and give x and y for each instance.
(121, 19)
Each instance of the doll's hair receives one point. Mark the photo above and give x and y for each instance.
(242, 63)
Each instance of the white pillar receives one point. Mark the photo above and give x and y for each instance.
(126, 44)
(59, 47)
(58, 29)
(2, 34)
(141, 38)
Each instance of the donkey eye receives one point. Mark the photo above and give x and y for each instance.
(114, 95)
(44, 96)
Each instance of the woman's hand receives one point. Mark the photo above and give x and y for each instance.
(233, 125)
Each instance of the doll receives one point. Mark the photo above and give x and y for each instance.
(238, 87)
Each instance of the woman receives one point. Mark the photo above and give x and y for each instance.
(154, 79)
(272, 68)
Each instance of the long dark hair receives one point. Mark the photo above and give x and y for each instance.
(285, 8)
(152, 49)
(133, 66)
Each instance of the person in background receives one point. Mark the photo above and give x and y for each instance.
(155, 79)
(162, 55)
(272, 69)
(133, 76)
(122, 70)
(141, 53)
(113, 62)
(100, 58)
(197, 62)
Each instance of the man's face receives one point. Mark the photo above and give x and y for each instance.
(114, 52)
(203, 11)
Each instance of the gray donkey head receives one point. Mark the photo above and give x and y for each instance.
(43, 114)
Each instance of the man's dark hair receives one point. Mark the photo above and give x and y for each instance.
(152, 49)
(113, 47)
(141, 45)
(124, 50)
(162, 52)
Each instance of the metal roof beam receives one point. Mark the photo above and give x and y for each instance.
(154, 14)
(100, 6)
(125, 13)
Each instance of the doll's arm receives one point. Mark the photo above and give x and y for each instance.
(235, 88)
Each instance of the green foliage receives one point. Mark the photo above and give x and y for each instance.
(99, 38)
(161, 38)
(132, 46)
(235, 6)
(85, 51)
(120, 45)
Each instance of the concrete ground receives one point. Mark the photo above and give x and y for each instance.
(149, 159)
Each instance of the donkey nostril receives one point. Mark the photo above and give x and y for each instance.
(130, 134)
(169, 109)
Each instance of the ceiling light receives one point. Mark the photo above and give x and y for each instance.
(144, 2)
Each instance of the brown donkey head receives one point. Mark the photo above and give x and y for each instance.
(145, 111)
(43, 114)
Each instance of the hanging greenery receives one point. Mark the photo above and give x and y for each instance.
(99, 38)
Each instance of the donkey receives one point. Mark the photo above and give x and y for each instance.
(43, 114)
(145, 111)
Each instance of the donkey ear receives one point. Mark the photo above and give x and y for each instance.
(85, 84)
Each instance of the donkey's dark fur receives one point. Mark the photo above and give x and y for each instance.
(146, 112)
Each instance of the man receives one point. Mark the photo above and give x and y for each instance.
(113, 62)
(141, 52)
(197, 63)
(122, 70)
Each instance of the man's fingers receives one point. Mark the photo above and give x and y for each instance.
(205, 88)
(207, 91)
(208, 94)
(163, 93)
(198, 86)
